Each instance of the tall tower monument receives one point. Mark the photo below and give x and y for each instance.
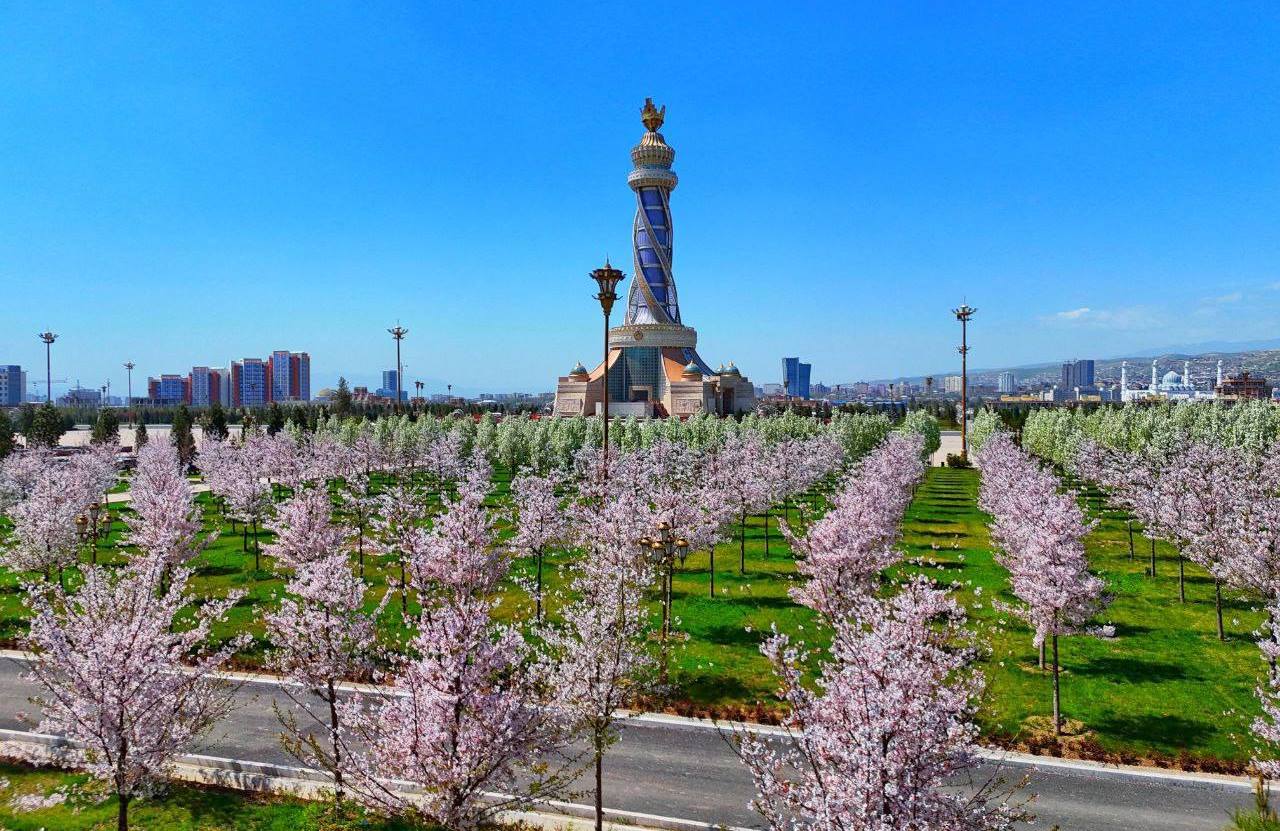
(654, 365)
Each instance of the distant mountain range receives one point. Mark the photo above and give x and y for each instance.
(1260, 357)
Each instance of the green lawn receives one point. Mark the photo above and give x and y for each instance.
(180, 808)
(1164, 685)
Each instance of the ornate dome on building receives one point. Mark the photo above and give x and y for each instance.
(654, 365)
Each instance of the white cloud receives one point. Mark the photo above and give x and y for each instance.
(1127, 318)
(1222, 300)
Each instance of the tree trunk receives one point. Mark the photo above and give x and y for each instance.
(1217, 607)
(333, 739)
(766, 533)
(538, 595)
(122, 814)
(404, 590)
(1153, 556)
(1057, 694)
(257, 549)
(599, 789)
(1041, 658)
(712, 552)
(1129, 524)
(1182, 578)
(360, 550)
(742, 544)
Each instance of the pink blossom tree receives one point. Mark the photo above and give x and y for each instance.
(889, 725)
(119, 679)
(165, 523)
(457, 555)
(304, 529)
(598, 662)
(322, 635)
(44, 537)
(397, 525)
(1040, 531)
(540, 523)
(462, 721)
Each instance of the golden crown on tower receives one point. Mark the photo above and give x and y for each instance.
(651, 116)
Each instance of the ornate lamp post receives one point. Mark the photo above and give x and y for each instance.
(48, 338)
(398, 332)
(664, 549)
(963, 314)
(607, 279)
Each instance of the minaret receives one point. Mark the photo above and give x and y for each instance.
(1219, 373)
(652, 299)
(1124, 376)
(1186, 373)
(1155, 384)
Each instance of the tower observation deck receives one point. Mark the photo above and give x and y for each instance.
(654, 365)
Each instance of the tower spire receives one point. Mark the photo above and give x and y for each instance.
(652, 297)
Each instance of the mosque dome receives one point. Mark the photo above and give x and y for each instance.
(578, 369)
(1171, 378)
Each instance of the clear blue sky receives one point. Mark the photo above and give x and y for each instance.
(186, 184)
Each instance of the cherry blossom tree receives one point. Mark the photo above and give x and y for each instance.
(462, 721)
(540, 522)
(305, 531)
(457, 555)
(44, 537)
(1040, 531)
(401, 511)
(119, 679)
(322, 635)
(889, 724)
(165, 523)
(843, 553)
(598, 662)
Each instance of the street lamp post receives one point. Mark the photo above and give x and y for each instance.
(128, 366)
(48, 338)
(963, 314)
(418, 385)
(607, 278)
(398, 332)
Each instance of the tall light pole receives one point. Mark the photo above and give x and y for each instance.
(963, 314)
(48, 338)
(607, 279)
(128, 366)
(418, 385)
(398, 332)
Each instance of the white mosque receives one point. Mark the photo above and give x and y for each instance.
(1171, 385)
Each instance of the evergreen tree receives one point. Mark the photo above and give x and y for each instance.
(181, 437)
(342, 399)
(46, 427)
(7, 442)
(216, 422)
(106, 427)
(26, 417)
(140, 436)
(275, 418)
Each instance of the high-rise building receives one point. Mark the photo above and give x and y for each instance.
(1007, 383)
(169, 390)
(208, 385)
(290, 375)
(796, 377)
(1077, 374)
(653, 360)
(250, 383)
(12, 385)
(952, 384)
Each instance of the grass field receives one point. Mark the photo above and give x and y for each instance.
(180, 808)
(1163, 686)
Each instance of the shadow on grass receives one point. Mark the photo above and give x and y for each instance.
(1172, 731)
(727, 635)
(1132, 670)
(712, 686)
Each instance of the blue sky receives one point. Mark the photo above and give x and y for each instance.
(186, 184)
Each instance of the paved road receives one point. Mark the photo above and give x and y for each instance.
(689, 772)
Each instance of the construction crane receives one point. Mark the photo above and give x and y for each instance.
(35, 386)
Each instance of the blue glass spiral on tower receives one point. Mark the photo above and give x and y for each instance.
(652, 299)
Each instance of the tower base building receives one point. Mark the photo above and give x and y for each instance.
(654, 365)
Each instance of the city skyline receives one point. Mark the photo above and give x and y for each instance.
(1092, 198)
